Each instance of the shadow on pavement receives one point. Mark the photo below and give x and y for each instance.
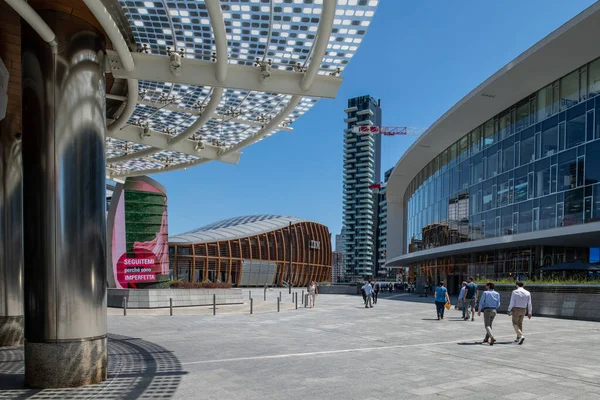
(136, 368)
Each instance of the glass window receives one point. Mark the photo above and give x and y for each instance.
(522, 114)
(580, 170)
(487, 195)
(592, 173)
(488, 133)
(594, 78)
(454, 183)
(549, 137)
(527, 146)
(542, 178)
(452, 155)
(569, 90)
(590, 115)
(492, 163)
(504, 125)
(520, 193)
(561, 136)
(463, 148)
(567, 170)
(573, 207)
(583, 84)
(445, 184)
(474, 199)
(507, 228)
(544, 101)
(596, 204)
(464, 178)
(548, 212)
(525, 217)
(490, 224)
(477, 168)
(555, 97)
(508, 159)
(575, 126)
(475, 140)
(502, 196)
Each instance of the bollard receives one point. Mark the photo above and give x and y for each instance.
(249, 294)
(170, 306)
(305, 300)
(296, 300)
(278, 301)
(124, 305)
(303, 297)
(265, 294)
(214, 304)
(280, 295)
(251, 301)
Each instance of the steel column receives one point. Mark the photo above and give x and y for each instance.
(11, 236)
(64, 219)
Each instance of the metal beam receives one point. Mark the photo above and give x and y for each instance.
(173, 108)
(215, 115)
(202, 73)
(161, 141)
(218, 26)
(183, 136)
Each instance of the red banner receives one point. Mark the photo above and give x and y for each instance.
(143, 266)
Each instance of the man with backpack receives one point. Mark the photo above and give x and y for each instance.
(470, 298)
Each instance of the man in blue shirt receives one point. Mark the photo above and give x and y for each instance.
(490, 301)
(368, 292)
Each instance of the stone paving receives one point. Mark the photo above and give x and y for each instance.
(338, 350)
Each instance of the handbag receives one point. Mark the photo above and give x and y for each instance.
(448, 305)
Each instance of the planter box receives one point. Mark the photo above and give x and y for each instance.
(159, 298)
(338, 289)
(559, 301)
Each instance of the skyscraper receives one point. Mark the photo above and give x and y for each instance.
(362, 153)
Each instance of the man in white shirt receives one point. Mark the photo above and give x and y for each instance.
(368, 292)
(520, 305)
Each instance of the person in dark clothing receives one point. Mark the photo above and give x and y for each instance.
(375, 286)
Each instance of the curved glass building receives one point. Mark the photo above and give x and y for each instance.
(508, 180)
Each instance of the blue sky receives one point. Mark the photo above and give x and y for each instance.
(419, 58)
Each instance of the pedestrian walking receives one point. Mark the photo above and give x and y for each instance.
(364, 295)
(441, 298)
(368, 292)
(470, 299)
(460, 305)
(375, 286)
(520, 305)
(489, 303)
(313, 292)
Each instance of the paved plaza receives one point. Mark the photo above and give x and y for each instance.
(339, 350)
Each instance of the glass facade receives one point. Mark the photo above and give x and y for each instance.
(533, 166)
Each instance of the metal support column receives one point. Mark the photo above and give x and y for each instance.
(11, 236)
(11, 209)
(64, 221)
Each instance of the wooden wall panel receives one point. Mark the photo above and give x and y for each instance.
(226, 257)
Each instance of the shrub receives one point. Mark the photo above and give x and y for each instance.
(179, 284)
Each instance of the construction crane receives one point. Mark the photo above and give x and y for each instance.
(387, 130)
